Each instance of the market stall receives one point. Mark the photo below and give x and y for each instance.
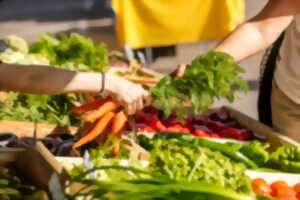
(86, 146)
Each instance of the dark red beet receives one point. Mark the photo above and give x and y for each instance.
(219, 115)
(238, 134)
(203, 128)
(216, 126)
(203, 120)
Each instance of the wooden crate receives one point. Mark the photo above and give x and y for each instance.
(25, 129)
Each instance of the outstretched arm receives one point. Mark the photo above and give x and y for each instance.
(260, 32)
(50, 80)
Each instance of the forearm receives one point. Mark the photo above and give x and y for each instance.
(258, 33)
(47, 80)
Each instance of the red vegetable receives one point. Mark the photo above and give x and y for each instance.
(261, 187)
(220, 115)
(200, 133)
(185, 130)
(173, 129)
(216, 126)
(157, 124)
(284, 192)
(147, 129)
(214, 135)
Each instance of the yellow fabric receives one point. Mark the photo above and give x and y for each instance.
(142, 23)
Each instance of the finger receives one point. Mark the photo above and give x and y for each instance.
(139, 104)
(132, 108)
(147, 100)
(180, 70)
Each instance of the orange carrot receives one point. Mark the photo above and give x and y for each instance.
(89, 97)
(101, 141)
(108, 106)
(116, 147)
(86, 131)
(89, 106)
(96, 131)
(117, 129)
(118, 122)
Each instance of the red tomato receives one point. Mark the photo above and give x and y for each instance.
(261, 187)
(173, 129)
(214, 135)
(287, 197)
(200, 133)
(185, 130)
(285, 192)
(297, 187)
(177, 125)
(276, 185)
(157, 124)
(298, 195)
(147, 129)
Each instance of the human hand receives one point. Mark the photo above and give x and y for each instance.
(180, 70)
(130, 95)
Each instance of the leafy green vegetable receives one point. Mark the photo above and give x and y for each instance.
(210, 76)
(52, 109)
(196, 163)
(149, 185)
(74, 52)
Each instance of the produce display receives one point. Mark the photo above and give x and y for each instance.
(12, 188)
(176, 170)
(253, 155)
(278, 189)
(218, 124)
(192, 152)
(107, 118)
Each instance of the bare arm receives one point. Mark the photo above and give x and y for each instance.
(260, 32)
(46, 80)
(50, 80)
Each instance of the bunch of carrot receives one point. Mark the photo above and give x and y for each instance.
(106, 117)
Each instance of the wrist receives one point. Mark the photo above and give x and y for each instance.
(85, 82)
(109, 83)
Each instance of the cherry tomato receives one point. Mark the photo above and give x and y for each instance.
(297, 187)
(287, 197)
(298, 195)
(261, 187)
(185, 130)
(276, 185)
(173, 129)
(157, 124)
(214, 135)
(200, 133)
(284, 192)
(147, 129)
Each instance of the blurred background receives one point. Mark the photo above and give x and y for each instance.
(95, 18)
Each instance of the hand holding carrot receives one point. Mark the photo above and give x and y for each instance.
(131, 96)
